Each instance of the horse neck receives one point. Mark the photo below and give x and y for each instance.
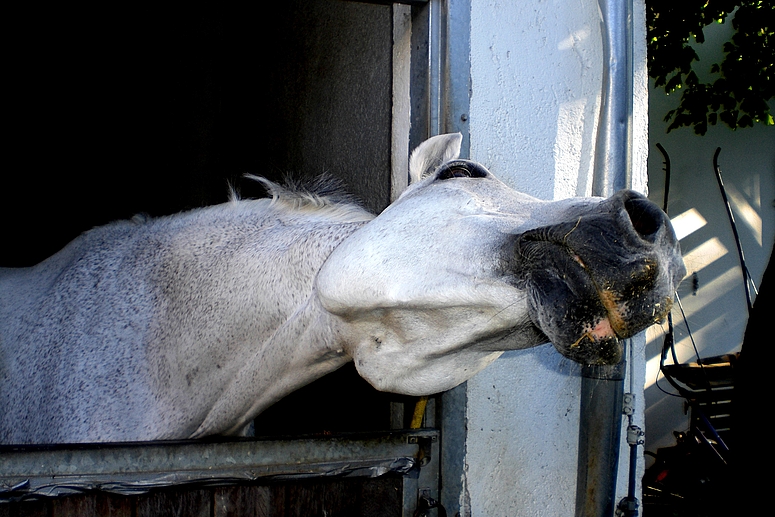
(303, 349)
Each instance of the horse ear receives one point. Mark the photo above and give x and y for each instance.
(432, 153)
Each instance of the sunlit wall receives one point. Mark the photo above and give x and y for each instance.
(536, 79)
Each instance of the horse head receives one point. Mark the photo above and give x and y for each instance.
(461, 268)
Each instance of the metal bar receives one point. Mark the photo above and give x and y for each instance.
(456, 68)
(420, 82)
(453, 447)
(602, 392)
(436, 33)
(428, 477)
(132, 468)
(451, 57)
(613, 146)
(602, 387)
(747, 280)
(401, 110)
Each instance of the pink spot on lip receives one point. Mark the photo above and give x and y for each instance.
(603, 330)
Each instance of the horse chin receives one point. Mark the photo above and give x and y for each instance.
(592, 351)
(586, 338)
(577, 321)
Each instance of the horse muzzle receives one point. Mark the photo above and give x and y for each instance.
(600, 278)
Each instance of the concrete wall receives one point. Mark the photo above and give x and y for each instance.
(536, 78)
(715, 305)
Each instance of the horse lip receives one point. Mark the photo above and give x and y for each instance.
(605, 336)
(610, 302)
(612, 309)
(608, 331)
(588, 350)
(598, 342)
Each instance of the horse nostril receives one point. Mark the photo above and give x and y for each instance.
(646, 217)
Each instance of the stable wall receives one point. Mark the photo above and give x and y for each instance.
(536, 72)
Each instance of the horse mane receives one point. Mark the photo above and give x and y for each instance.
(322, 195)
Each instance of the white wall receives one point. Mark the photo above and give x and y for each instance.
(536, 78)
(717, 312)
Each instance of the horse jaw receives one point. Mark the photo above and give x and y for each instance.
(420, 310)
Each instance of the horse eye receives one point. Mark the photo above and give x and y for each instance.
(459, 170)
(455, 172)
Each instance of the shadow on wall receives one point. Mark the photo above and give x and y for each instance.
(712, 294)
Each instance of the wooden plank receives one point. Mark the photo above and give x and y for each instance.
(75, 505)
(376, 497)
(175, 503)
(92, 505)
(311, 498)
(381, 497)
(27, 509)
(279, 498)
(115, 506)
(239, 501)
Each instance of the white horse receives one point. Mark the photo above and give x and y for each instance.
(191, 325)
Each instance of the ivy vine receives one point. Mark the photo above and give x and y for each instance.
(743, 86)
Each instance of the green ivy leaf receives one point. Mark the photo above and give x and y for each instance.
(740, 94)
